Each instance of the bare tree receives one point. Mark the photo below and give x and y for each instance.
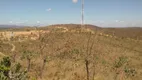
(88, 54)
(43, 40)
(28, 55)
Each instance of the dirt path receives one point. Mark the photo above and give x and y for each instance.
(1, 54)
(12, 50)
(13, 47)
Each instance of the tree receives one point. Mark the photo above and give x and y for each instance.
(43, 55)
(28, 55)
(9, 72)
(88, 55)
(5, 66)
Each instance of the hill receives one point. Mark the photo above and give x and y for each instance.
(68, 52)
(129, 32)
(10, 26)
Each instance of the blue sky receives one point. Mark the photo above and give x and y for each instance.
(104, 13)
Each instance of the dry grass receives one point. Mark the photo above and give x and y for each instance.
(110, 58)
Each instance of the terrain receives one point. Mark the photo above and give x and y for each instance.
(75, 52)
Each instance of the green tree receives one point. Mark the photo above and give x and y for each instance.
(8, 72)
(5, 66)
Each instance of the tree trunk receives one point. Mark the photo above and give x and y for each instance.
(29, 64)
(14, 56)
(87, 68)
(93, 71)
(42, 68)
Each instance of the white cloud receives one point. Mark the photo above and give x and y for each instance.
(49, 9)
(74, 1)
(10, 21)
(37, 21)
(118, 21)
(26, 20)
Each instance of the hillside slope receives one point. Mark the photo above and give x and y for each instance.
(76, 55)
(135, 33)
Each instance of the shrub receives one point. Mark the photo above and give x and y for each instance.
(121, 61)
(8, 72)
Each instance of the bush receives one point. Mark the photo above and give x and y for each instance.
(122, 60)
(5, 66)
(11, 73)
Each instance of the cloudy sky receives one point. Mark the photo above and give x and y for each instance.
(104, 13)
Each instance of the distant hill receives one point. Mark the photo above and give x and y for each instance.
(10, 26)
(131, 32)
(74, 25)
(70, 26)
(126, 32)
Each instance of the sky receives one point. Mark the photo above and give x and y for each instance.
(103, 13)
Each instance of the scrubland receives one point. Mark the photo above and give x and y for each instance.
(74, 53)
